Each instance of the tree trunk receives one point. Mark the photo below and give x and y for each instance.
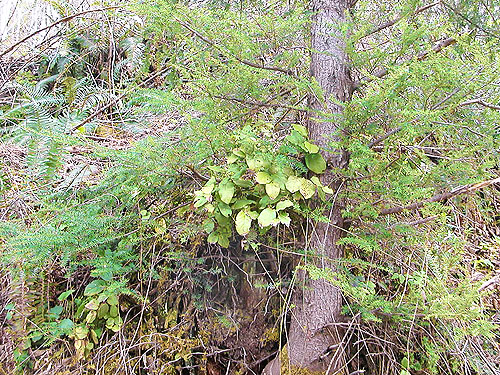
(313, 340)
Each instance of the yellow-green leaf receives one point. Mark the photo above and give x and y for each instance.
(307, 188)
(273, 190)
(267, 217)
(293, 183)
(226, 191)
(263, 178)
(243, 223)
(284, 204)
(312, 148)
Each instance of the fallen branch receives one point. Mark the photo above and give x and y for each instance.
(62, 20)
(441, 197)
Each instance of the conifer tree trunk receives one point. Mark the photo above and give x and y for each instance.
(313, 339)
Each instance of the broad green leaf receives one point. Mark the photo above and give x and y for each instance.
(226, 191)
(243, 223)
(267, 217)
(315, 163)
(65, 294)
(94, 287)
(284, 204)
(273, 190)
(315, 180)
(263, 178)
(295, 138)
(91, 316)
(200, 202)
(241, 203)
(224, 209)
(223, 241)
(208, 225)
(243, 183)
(239, 153)
(307, 188)
(213, 237)
(231, 159)
(327, 190)
(253, 214)
(81, 332)
(103, 310)
(284, 218)
(56, 311)
(113, 311)
(293, 183)
(66, 324)
(312, 148)
(301, 129)
(92, 305)
(112, 300)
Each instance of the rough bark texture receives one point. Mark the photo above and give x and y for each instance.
(312, 341)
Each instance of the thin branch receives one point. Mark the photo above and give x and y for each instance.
(243, 61)
(384, 137)
(259, 104)
(480, 102)
(382, 72)
(441, 197)
(62, 20)
(394, 21)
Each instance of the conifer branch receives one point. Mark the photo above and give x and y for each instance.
(243, 61)
(441, 197)
(382, 72)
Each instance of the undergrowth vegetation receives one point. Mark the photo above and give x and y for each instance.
(158, 187)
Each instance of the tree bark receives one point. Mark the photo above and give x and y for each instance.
(313, 343)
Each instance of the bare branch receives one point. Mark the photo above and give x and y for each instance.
(382, 72)
(396, 20)
(243, 61)
(441, 197)
(62, 20)
(480, 102)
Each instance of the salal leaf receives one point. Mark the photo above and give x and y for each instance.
(312, 148)
(267, 217)
(241, 203)
(243, 183)
(315, 163)
(315, 180)
(263, 178)
(223, 241)
(327, 189)
(243, 223)
(273, 190)
(301, 129)
(284, 218)
(224, 209)
(283, 205)
(293, 184)
(307, 188)
(226, 191)
(213, 238)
